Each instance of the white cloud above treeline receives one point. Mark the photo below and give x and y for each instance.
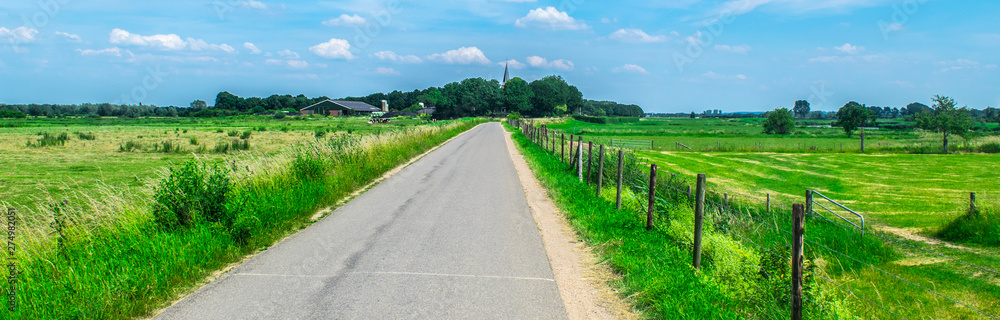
(550, 18)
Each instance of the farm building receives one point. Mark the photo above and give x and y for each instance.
(340, 108)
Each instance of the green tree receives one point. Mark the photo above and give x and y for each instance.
(780, 121)
(227, 101)
(853, 116)
(198, 105)
(801, 108)
(946, 119)
(517, 96)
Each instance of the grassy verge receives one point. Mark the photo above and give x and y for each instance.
(981, 227)
(122, 255)
(735, 281)
(745, 261)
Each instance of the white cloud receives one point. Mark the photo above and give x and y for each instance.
(549, 18)
(346, 21)
(252, 4)
(716, 76)
(250, 46)
(294, 64)
(539, 62)
(846, 59)
(159, 41)
(629, 68)
(635, 36)
(387, 71)
(962, 64)
(392, 56)
(607, 20)
(694, 39)
(109, 51)
(201, 45)
(19, 34)
(463, 55)
(513, 64)
(288, 54)
(741, 49)
(333, 49)
(792, 7)
(850, 49)
(69, 36)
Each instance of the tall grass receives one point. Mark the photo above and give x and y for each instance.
(125, 253)
(979, 227)
(737, 280)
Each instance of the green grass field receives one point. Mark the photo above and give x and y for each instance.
(746, 135)
(124, 251)
(895, 269)
(33, 176)
(900, 190)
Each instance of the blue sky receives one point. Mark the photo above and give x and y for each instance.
(666, 56)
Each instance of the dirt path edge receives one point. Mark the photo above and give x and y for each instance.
(581, 280)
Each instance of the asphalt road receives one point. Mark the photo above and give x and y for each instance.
(448, 237)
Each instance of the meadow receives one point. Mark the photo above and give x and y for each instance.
(898, 268)
(125, 153)
(746, 135)
(120, 250)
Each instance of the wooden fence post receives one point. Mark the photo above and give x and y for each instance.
(600, 170)
(798, 230)
(809, 201)
(768, 203)
(699, 218)
(618, 199)
(652, 197)
(579, 159)
(571, 151)
(590, 159)
(562, 148)
(689, 192)
(972, 203)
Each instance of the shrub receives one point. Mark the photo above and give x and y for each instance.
(130, 146)
(780, 121)
(12, 114)
(307, 167)
(246, 135)
(240, 145)
(166, 147)
(192, 193)
(50, 140)
(992, 147)
(320, 133)
(87, 136)
(279, 115)
(982, 227)
(606, 120)
(221, 147)
(233, 133)
(193, 141)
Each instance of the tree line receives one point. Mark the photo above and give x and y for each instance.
(548, 96)
(944, 118)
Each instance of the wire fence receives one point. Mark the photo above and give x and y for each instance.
(760, 223)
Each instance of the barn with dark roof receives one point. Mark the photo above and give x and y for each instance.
(340, 108)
